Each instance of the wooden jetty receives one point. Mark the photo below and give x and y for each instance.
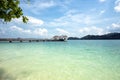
(28, 40)
(55, 38)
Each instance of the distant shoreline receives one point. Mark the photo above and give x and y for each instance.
(109, 36)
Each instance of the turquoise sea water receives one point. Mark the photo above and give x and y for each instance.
(71, 60)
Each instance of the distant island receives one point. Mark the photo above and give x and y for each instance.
(109, 36)
(73, 38)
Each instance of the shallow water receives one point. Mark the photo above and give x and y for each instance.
(71, 60)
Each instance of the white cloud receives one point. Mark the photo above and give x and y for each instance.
(102, 0)
(102, 12)
(37, 6)
(36, 31)
(117, 6)
(2, 31)
(72, 19)
(31, 22)
(115, 27)
(16, 28)
(62, 31)
(72, 11)
(63, 4)
(44, 5)
(21, 30)
(39, 31)
(92, 30)
(41, 5)
(34, 21)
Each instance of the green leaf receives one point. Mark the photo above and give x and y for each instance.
(9, 9)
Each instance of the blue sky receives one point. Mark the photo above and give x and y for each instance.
(65, 17)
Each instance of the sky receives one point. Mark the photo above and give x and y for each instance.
(76, 18)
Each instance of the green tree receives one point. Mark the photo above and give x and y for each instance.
(9, 9)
